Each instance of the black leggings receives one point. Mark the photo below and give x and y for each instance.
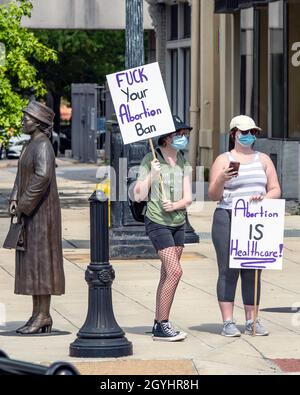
(228, 278)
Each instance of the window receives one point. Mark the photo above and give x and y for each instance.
(270, 67)
(293, 16)
(247, 68)
(174, 22)
(186, 20)
(187, 83)
(178, 57)
(174, 81)
(261, 68)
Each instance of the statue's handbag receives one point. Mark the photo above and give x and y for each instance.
(15, 238)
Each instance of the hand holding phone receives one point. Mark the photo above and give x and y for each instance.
(235, 166)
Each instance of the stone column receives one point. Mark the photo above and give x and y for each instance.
(209, 81)
(226, 76)
(195, 86)
(158, 16)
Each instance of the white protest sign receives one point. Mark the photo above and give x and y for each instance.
(257, 230)
(141, 103)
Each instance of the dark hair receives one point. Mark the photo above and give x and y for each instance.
(232, 139)
(162, 140)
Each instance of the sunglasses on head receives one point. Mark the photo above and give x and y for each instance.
(182, 133)
(252, 131)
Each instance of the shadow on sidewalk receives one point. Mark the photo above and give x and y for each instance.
(85, 174)
(215, 329)
(10, 330)
(138, 330)
(290, 310)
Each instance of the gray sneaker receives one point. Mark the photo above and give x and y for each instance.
(230, 329)
(260, 329)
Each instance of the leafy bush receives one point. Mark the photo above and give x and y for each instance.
(18, 76)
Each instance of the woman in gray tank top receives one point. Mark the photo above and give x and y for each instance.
(257, 178)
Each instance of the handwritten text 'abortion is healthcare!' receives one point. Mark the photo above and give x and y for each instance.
(257, 230)
(141, 103)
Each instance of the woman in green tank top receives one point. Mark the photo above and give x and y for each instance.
(165, 218)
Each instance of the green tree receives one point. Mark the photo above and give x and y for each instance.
(83, 57)
(18, 75)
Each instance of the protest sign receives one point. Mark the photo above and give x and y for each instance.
(141, 103)
(257, 230)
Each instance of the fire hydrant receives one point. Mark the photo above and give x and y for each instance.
(103, 184)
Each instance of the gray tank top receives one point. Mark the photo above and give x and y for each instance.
(251, 180)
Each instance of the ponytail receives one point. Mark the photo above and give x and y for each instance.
(231, 143)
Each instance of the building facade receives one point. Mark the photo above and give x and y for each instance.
(241, 57)
(263, 38)
(172, 23)
(187, 51)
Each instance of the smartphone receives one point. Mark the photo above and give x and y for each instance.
(235, 165)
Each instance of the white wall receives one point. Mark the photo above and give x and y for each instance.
(80, 14)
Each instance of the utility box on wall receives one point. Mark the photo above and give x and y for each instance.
(84, 128)
(286, 154)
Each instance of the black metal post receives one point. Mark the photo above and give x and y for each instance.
(190, 237)
(100, 335)
(134, 34)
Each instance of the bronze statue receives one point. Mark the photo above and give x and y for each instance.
(34, 198)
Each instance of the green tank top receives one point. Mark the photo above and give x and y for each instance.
(173, 186)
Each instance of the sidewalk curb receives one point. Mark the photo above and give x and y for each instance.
(4, 164)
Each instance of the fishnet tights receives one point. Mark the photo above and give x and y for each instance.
(170, 275)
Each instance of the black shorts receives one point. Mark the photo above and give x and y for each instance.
(163, 236)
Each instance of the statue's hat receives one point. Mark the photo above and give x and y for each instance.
(40, 112)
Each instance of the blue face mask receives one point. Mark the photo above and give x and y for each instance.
(179, 142)
(246, 140)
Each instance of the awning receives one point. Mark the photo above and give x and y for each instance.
(229, 6)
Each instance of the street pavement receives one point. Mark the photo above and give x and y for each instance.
(195, 309)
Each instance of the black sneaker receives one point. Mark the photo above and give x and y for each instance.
(153, 328)
(164, 331)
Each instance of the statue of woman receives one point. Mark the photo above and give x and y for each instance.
(34, 198)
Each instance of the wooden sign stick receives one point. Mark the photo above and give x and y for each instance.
(160, 177)
(255, 302)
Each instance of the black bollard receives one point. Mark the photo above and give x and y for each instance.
(100, 335)
(190, 237)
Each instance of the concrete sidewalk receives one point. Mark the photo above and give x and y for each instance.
(195, 308)
(60, 161)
